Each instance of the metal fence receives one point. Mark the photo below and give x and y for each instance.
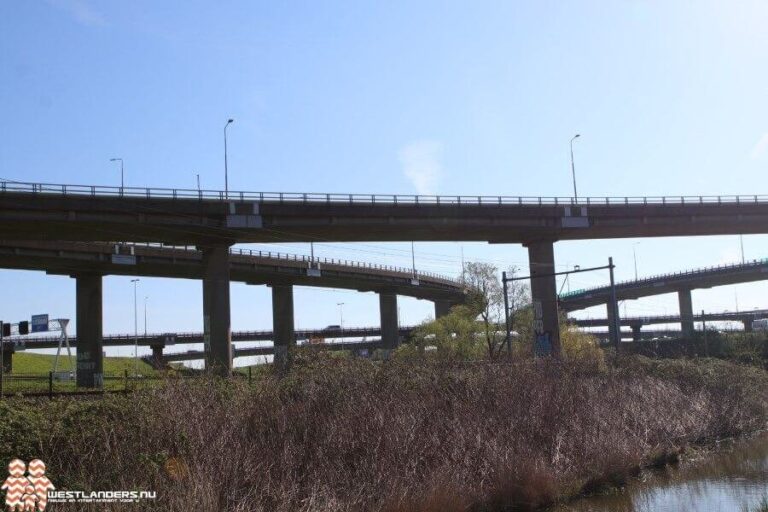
(65, 383)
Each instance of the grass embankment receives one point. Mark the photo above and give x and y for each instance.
(30, 373)
(40, 364)
(350, 435)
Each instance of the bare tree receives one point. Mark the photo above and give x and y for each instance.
(486, 299)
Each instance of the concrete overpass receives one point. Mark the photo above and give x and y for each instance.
(280, 271)
(677, 282)
(637, 322)
(159, 342)
(246, 266)
(213, 221)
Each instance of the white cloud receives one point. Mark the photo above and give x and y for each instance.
(80, 11)
(421, 164)
(761, 147)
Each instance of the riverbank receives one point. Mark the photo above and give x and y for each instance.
(731, 475)
(414, 435)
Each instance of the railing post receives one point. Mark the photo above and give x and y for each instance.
(50, 385)
(126, 379)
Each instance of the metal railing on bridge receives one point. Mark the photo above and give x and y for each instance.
(299, 257)
(714, 269)
(390, 199)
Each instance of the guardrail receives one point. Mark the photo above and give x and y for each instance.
(734, 315)
(392, 199)
(672, 275)
(302, 258)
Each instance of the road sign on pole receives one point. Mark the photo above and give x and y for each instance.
(39, 323)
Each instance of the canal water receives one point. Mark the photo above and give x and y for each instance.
(733, 478)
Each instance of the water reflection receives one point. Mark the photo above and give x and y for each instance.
(733, 479)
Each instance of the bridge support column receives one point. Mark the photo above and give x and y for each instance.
(636, 331)
(614, 328)
(8, 358)
(747, 324)
(686, 312)
(390, 336)
(541, 259)
(217, 335)
(442, 308)
(282, 324)
(90, 345)
(157, 356)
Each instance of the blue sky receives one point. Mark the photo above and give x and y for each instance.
(388, 97)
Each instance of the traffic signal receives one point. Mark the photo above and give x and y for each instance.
(24, 327)
(6, 329)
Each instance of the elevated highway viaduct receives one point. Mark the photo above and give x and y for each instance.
(678, 282)
(87, 262)
(636, 323)
(159, 342)
(214, 220)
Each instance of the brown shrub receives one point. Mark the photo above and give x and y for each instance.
(351, 435)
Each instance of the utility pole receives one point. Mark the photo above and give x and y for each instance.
(508, 335)
(615, 329)
(413, 261)
(135, 327)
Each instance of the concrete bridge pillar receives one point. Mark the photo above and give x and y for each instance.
(442, 308)
(282, 324)
(747, 321)
(157, 356)
(217, 335)
(7, 362)
(686, 312)
(636, 328)
(390, 336)
(541, 259)
(90, 346)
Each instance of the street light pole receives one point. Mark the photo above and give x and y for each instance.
(122, 173)
(145, 316)
(341, 315)
(135, 327)
(573, 168)
(413, 260)
(226, 173)
(741, 241)
(634, 256)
